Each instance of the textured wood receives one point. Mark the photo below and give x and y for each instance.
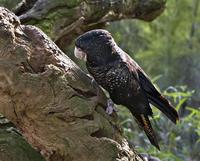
(63, 20)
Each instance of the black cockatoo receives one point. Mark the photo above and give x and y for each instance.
(123, 78)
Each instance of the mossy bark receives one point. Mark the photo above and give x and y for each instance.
(55, 105)
(63, 20)
(14, 148)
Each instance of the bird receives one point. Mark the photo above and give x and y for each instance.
(125, 81)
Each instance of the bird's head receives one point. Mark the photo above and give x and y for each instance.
(95, 46)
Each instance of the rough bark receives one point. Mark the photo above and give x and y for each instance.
(63, 20)
(52, 102)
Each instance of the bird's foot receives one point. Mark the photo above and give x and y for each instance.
(110, 107)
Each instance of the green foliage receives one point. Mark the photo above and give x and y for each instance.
(10, 4)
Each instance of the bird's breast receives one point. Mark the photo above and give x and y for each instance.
(117, 80)
(99, 74)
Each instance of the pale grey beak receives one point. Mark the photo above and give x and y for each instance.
(80, 54)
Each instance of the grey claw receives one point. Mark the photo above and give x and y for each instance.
(110, 107)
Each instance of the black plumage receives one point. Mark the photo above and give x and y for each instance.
(123, 78)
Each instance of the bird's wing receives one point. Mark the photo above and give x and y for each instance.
(149, 94)
(139, 100)
(127, 90)
(156, 98)
(127, 81)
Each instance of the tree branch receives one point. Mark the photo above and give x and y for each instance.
(54, 17)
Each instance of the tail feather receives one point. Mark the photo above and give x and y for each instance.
(145, 124)
(163, 105)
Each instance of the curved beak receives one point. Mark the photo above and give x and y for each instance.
(80, 54)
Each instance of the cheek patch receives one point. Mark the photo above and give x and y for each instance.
(80, 54)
